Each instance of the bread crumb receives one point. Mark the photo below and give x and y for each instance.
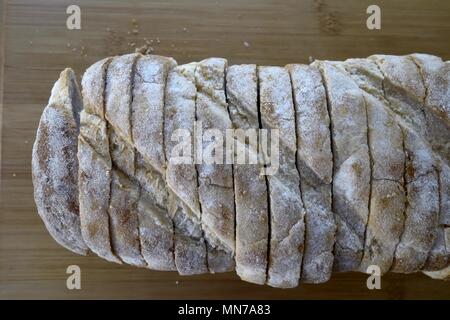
(177, 282)
(145, 49)
(185, 29)
(13, 174)
(246, 44)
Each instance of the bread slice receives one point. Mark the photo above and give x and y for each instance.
(156, 234)
(179, 114)
(439, 255)
(149, 227)
(147, 114)
(118, 95)
(147, 127)
(55, 167)
(155, 225)
(190, 246)
(286, 207)
(216, 192)
(122, 153)
(252, 220)
(124, 193)
(387, 201)
(151, 181)
(405, 85)
(183, 200)
(351, 181)
(315, 164)
(405, 91)
(94, 175)
(124, 219)
(435, 74)
(139, 157)
(422, 210)
(436, 79)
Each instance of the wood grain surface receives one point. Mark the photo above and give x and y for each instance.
(36, 46)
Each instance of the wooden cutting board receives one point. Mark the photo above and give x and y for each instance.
(36, 46)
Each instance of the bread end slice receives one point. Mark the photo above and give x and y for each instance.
(55, 165)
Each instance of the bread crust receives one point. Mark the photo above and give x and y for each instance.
(54, 165)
